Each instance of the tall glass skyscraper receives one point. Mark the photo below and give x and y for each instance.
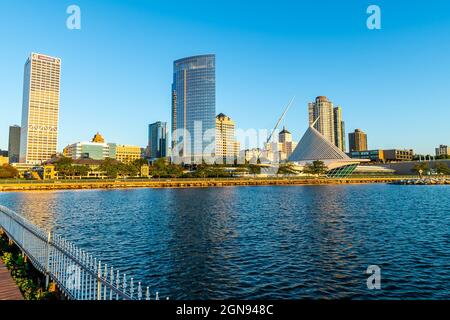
(157, 140)
(194, 108)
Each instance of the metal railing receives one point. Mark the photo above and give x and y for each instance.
(78, 274)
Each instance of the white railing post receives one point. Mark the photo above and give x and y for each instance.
(139, 293)
(47, 265)
(99, 283)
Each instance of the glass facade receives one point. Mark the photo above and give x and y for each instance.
(342, 172)
(157, 140)
(194, 107)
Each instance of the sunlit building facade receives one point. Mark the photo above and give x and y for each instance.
(321, 116)
(442, 150)
(40, 108)
(227, 148)
(125, 153)
(357, 141)
(193, 107)
(96, 149)
(287, 145)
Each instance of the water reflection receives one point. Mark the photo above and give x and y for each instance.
(260, 242)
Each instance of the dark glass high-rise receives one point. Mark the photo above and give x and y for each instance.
(194, 108)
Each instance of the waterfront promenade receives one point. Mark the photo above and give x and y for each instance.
(185, 183)
(8, 288)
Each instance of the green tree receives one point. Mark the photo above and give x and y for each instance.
(64, 166)
(420, 168)
(131, 170)
(138, 163)
(254, 169)
(110, 167)
(8, 172)
(81, 170)
(174, 171)
(442, 168)
(159, 168)
(316, 167)
(287, 168)
(202, 171)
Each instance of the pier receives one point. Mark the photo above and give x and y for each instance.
(8, 288)
(77, 274)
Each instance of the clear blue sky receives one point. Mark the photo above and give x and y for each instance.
(117, 70)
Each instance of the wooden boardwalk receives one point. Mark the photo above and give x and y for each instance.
(8, 288)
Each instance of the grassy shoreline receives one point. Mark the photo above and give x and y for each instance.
(185, 183)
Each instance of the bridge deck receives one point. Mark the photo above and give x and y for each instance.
(8, 288)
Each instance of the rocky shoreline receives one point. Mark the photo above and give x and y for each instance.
(188, 183)
(424, 181)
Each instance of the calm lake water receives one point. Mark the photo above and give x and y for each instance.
(260, 242)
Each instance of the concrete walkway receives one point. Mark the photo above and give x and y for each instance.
(8, 288)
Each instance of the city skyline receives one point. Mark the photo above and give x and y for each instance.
(86, 107)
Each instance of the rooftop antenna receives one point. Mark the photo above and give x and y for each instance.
(281, 118)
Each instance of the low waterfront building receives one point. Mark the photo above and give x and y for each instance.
(372, 155)
(24, 168)
(383, 155)
(145, 171)
(399, 155)
(87, 150)
(126, 153)
(274, 152)
(407, 167)
(49, 172)
(98, 149)
(255, 155)
(442, 150)
(316, 147)
(281, 150)
(373, 170)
